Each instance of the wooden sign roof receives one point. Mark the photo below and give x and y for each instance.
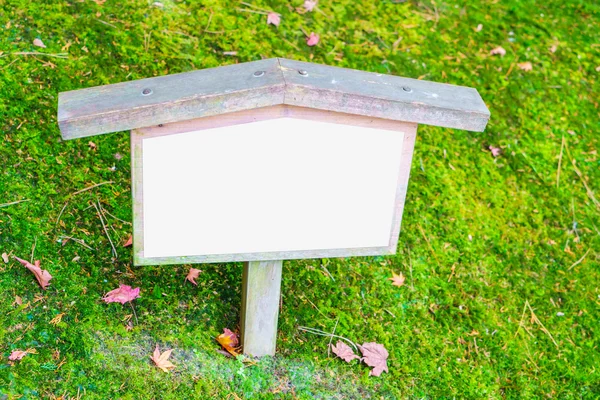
(214, 91)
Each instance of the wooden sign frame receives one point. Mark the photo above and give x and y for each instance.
(261, 114)
(259, 91)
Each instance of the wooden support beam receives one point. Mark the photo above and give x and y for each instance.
(261, 291)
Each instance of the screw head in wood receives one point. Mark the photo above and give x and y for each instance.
(303, 72)
(258, 74)
(406, 89)
(147, 92)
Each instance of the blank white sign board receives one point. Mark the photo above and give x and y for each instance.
(283, 184)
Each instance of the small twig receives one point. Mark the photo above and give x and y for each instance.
(37, 53)
(10, 63)
(105, 230)
(209, 21)
(106, 23)
(61, 213)
(331, 338)
(410, 268)
(13, 203)
(589, 191)
(104, 211)
(323, 333)
(253, 6)
(429, 245)
(317, 308)
(328, 273)
(91, 187)
(79, 241)
(511, 67)
(576, 263)
(537, 321)
(521, 322)
(33, 248)
(562, 147)
(76, 193)
(252, 11)
(134, 314)
(389, 312)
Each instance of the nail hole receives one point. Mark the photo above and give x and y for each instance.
(303, 72)
(406, 89)
(147, 92)
(258, 74)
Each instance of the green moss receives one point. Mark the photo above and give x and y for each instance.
(481, 238)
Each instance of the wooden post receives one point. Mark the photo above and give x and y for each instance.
(261, 291)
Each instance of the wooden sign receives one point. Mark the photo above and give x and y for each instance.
(267, 161)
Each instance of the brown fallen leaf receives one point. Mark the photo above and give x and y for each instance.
(525, 66)
(162, 360)
(343, 351)
(479, 28)
(92, 145)
(498, 51)
(122, 294)
(229, 341)
(128, 242)
(553, 48)
(397, 280)
(5, 258)
(192, 275)
(309, 5)
(18, 301)
(273, 18)
(43, 277)
(374, 355)
(38, 42)
(312, 39)
(495, 151)
(17, 355)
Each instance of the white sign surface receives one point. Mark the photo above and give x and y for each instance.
(278, 185)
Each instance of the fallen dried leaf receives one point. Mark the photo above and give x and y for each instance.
(495, 151)
(38, 42)
(128, 242)
(374, 355)
(397, 280)
(312, 39)
(192, 275)
(5, 258)
(525, 66)
(343, 351)
(273, 19)
(309, 5)
(17, 355)
(479, 28)
(18, 301)
(56, 320)
(553, 48)
(498, 51)
(122, 295)
(161, 360)
(43, 277)
(229, 341)
(92, 145)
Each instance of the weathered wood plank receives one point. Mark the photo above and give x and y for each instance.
(217, 91)
(261, 291)
(383, 96)
(153, 101)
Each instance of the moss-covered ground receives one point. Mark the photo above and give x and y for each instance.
(501, 254)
